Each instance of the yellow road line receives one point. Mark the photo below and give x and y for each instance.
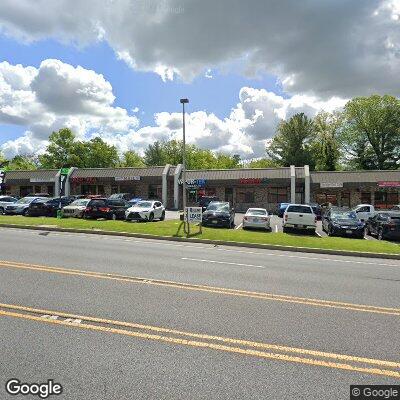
(248, 343)
(209, 289)
(208, 345)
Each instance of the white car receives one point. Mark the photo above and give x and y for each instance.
(5, 201)
(146, 210)
(75, 209)
(364, 211)
(299, 217)
(256, 218)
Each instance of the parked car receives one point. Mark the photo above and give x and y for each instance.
(395, 208)
(76, 209)
(364, 211)
(299, 217)
(6, 201)
(219, 213)
(384, 225)
(124, 196)
(343, 223)
(204, 201)
(256, 218)
(281, 209)
(317, 210)
(21, 206)
(46, 207)
(146, 210)
(106, 208)
(38, 195)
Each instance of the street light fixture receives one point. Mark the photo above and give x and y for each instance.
(183, 102)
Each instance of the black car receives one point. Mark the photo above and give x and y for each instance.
(384, 225)
(106, 208)
(342, 223)
(317, 210)
(46, 207)
(206, 200)
(219, 214)
(123, 196)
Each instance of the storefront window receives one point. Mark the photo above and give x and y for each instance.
(365, 197)
(345, 199)
(155, 192)
(38, 189)
(277, 195)
(25, 190)
(50, 190)
(386, 200)
(245, 196)
(100, 190)
(210, 191)
(88, 189)
(323, 198)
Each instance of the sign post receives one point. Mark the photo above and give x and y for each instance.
(63, 176)
(193, 215)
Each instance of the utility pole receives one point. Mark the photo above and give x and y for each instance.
(183, 102)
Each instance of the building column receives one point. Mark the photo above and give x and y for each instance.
(292, 184)
(57, 185)
(68, 182)
(165, 184)
(307, 184)
(177, 176)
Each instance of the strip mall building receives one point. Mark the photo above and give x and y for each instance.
(244, 188)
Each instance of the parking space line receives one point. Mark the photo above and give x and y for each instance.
(239, 225)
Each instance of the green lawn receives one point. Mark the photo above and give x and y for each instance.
(173, 228)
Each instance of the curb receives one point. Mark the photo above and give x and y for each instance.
(208, 241)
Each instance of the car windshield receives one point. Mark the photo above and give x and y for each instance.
(80, 202)
(256, 212)
(144, 204)
(218, 206)
(26, 200)
(300, 209)
(344, 215)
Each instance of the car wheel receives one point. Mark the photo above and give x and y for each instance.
(25, 213)
(380, 234)
(85, 216)
(1, 210)
(151, 217)
(367, 231)
(114, 217)
(162, 216)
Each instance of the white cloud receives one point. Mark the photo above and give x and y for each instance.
(325, 48)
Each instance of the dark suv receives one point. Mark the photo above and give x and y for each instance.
(384, 224)
(47, 207)
(106, 208)
(219, 214)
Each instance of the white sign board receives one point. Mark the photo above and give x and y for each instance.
(331, 184)
(194, 214)
(41, 180)
(130, 178)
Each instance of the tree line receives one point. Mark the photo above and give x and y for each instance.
(364, 135)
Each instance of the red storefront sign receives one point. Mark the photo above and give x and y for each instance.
(252, 181)
(78, 180)
(389, 184)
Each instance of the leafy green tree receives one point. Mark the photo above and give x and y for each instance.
(326, 148)
(99, 154)
(132, 159)
(23, 162)
(371, 132)
(154, 154)
(3, 160)
(292, 144)
(262, 163)
(61, 150)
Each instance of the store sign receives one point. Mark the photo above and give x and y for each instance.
(193, 182)
(194, 214)
(331, 184)
(389, 184)
(65, 171)
(41, 180)
(127, 178)
(253, 181)
(78, 180)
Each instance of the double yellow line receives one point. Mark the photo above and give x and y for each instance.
(204, 288)
(199, 340)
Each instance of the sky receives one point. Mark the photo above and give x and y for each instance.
(117, 68)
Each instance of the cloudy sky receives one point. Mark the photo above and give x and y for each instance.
(117, 68)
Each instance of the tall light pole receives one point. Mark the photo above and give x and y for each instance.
(183, 102)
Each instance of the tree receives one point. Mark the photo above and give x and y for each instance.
(154, 154)
(326, 148)
(23, 162)
(98, 154)
(132, 159)
(262, 163)
(60, 151)
(293, 143)
(371, 132)
(3, 160)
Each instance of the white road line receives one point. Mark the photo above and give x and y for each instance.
(239, 225)
(276, 228)
(318, 234)
(223, 262)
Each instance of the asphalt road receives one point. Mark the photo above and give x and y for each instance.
(122, 318)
